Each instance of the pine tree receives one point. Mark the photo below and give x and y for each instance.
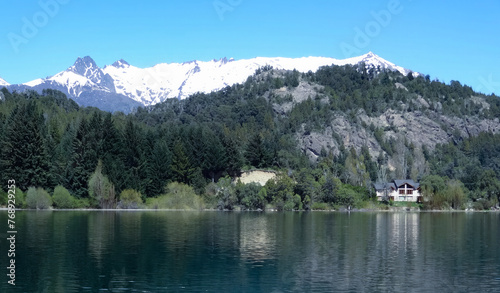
(233, 158)
(255, 151)
(24, 148)
(111, 152)
(159, 168)
(133, 159)
(84, 161)
(213, 155)
(181, 167)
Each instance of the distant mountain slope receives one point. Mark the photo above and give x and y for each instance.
(3, 82)
(122, 87)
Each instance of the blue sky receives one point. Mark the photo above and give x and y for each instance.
(457, 40)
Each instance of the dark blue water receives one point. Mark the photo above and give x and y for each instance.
(158, 251)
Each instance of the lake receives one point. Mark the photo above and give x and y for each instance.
(175, 251)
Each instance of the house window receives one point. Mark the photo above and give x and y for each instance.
(410, 191)
(401, 191)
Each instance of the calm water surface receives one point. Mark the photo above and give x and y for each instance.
(158, 251)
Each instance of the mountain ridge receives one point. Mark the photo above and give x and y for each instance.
(134, 86)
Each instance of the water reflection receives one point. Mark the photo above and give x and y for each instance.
(255, 252)
(398, 231)
(257, 242)
(101, 234)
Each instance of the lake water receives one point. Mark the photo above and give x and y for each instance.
(166, 251)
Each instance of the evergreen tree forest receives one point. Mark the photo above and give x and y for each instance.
(185, 153)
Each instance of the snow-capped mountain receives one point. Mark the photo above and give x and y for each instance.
(83, 76)
(3, 82)
(87, 84)
(155, 84)
(121, 86)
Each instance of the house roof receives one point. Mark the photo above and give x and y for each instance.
(395, 184)
(384, 186)
(407, 181)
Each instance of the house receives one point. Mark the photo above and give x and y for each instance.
(399, 190)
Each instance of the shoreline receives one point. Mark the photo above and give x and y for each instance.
(391, 210)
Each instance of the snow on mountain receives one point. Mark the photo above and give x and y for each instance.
(155, 84)
(3, 82)
(83, 76)
(133, 86)
(373, 60)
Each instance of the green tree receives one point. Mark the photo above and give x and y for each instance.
(455, 194)
(251, 197)
(280, 190)
(101, 190)
(371, 166)
(112, 155)
(24, 149)
(133, 157)
(255, 151)
(226, 194)
(159, 167)
(181, 167)
(233, 158)
(431, 185)
(329, 189)
(306, 185)
(355, 169)
(83, 162)
(489, 187)
(213, 155)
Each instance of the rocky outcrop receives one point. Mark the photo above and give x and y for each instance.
(421, 122)
(421, 129)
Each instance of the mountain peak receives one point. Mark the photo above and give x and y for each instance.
(87, 60)
(82, 66)
(370, 56)
(120, 64)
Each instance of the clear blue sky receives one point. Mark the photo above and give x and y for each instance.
(458, 40)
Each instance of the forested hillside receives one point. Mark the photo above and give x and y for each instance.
(330, 134)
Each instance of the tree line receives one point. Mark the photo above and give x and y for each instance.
(200, 144)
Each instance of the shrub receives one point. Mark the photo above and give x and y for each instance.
(82, 203)
(20, 199)
(130, 199)
(3, 198)
(38, 199)
(320, 206)
(62, 199)
(179, 197)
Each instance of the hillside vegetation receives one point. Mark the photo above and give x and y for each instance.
(329, 134)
